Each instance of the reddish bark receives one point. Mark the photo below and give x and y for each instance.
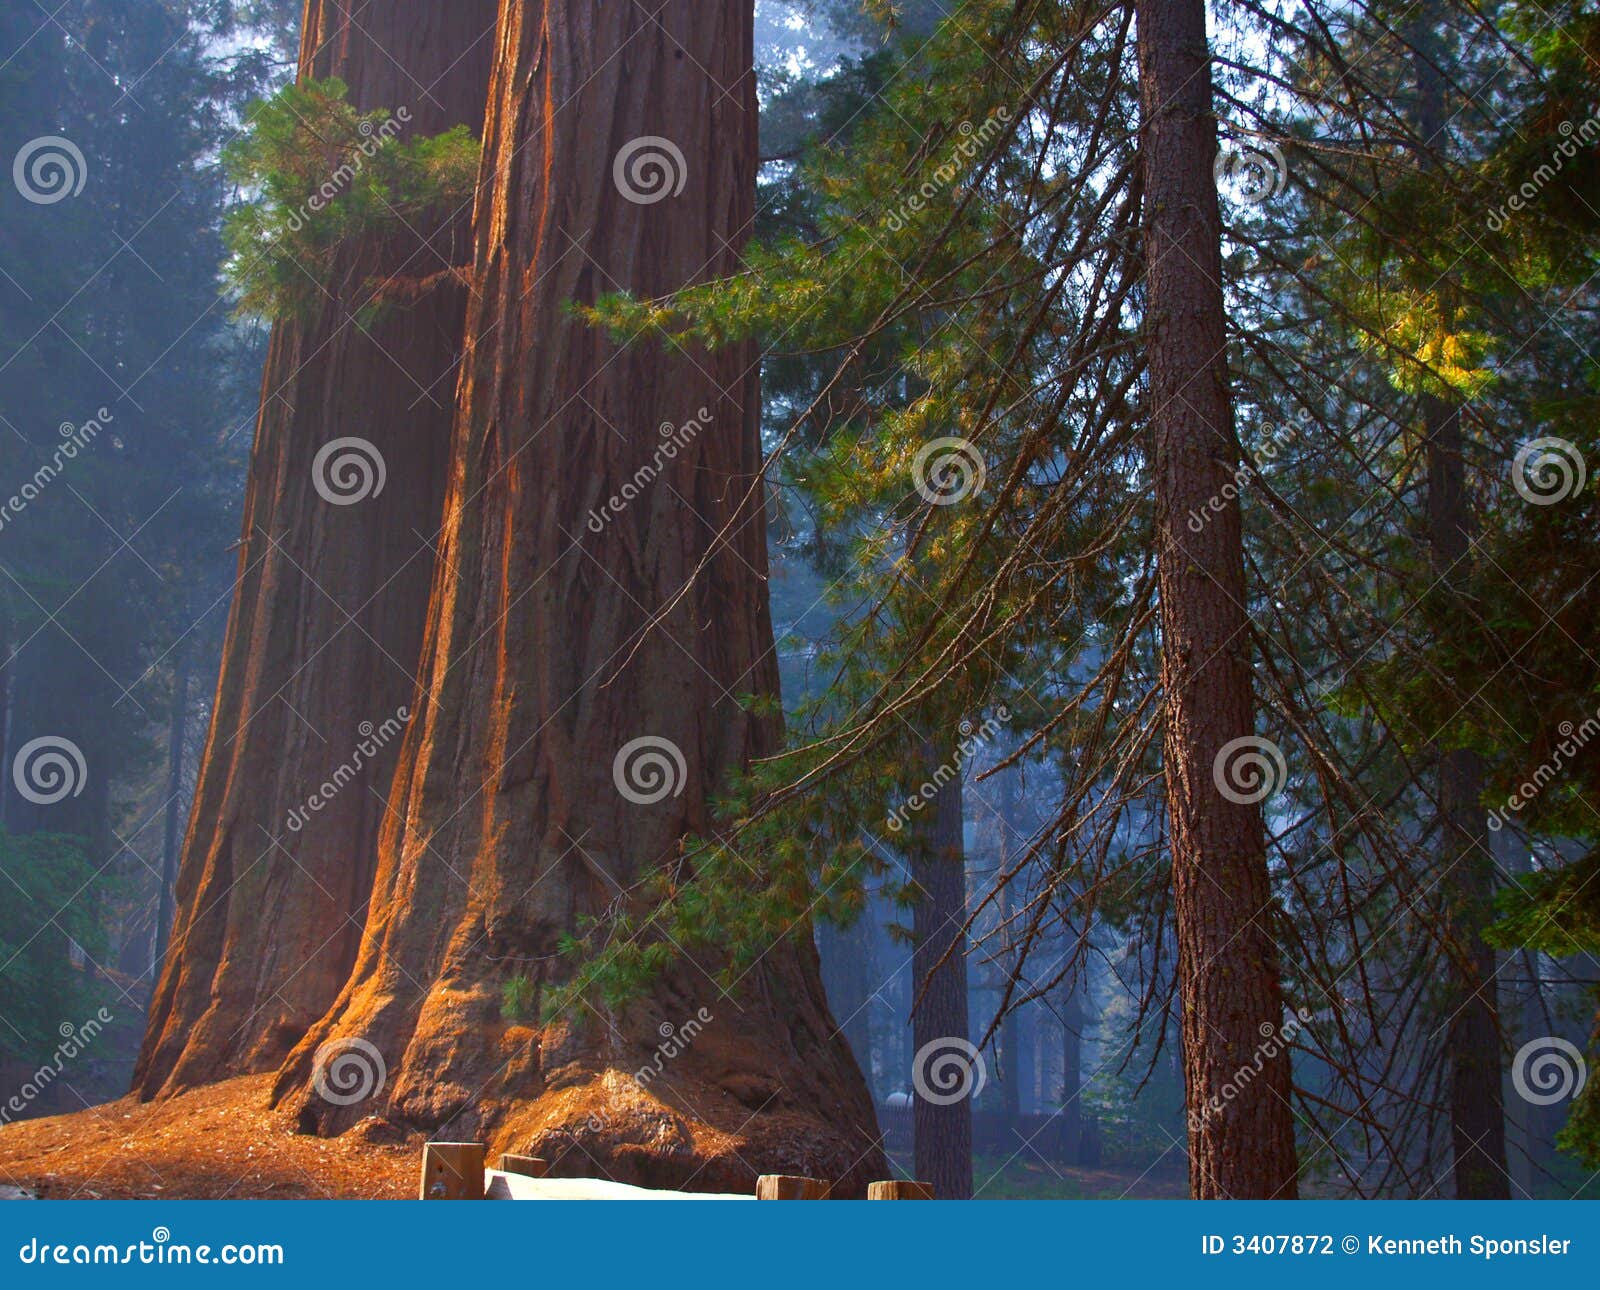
(560, 631)
(328, 609)
(1241, 1134)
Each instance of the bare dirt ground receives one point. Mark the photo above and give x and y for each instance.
(223, 1142)
(211, 1143)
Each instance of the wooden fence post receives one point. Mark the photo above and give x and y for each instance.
(528, 1166)
(452, 1171)
(790, 1187)
(900, 1189)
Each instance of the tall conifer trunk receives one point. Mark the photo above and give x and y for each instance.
(1471, 998)
(328, 608)
(1241, 1143)
(620, 154)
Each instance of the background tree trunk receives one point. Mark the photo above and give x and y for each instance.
(560, 632)
(1227, 959)
(328, 608)
(942, 1125)
(1471, 1003)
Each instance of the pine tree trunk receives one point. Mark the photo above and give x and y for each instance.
(1072, 1069)
(561, 630)
(1240, 1144)
(941, 1114)
(328, 608)
(1471, 998)
(1471, 1003)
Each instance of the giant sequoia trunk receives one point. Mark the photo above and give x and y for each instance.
(1241, 1127)
(328, 609)
(621, 154)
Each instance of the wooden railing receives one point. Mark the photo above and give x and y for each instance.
(457, 1171)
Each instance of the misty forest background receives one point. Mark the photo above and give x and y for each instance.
(1378, 289)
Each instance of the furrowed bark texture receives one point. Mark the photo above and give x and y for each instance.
(328, 609)
(1241, 1127)
(561, 630)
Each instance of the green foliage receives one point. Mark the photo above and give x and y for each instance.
(518, 995)
(322, 178)
(53, 893)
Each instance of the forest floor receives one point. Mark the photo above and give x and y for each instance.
(212, 1143)
(224, 1142)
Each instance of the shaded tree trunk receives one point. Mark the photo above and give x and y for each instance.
(1243, 1145)
(1471, 1005)
(328, 609)
(177, 732)
(562, 631)
(850, 977)
(1072, 1015)
(946, 1079)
